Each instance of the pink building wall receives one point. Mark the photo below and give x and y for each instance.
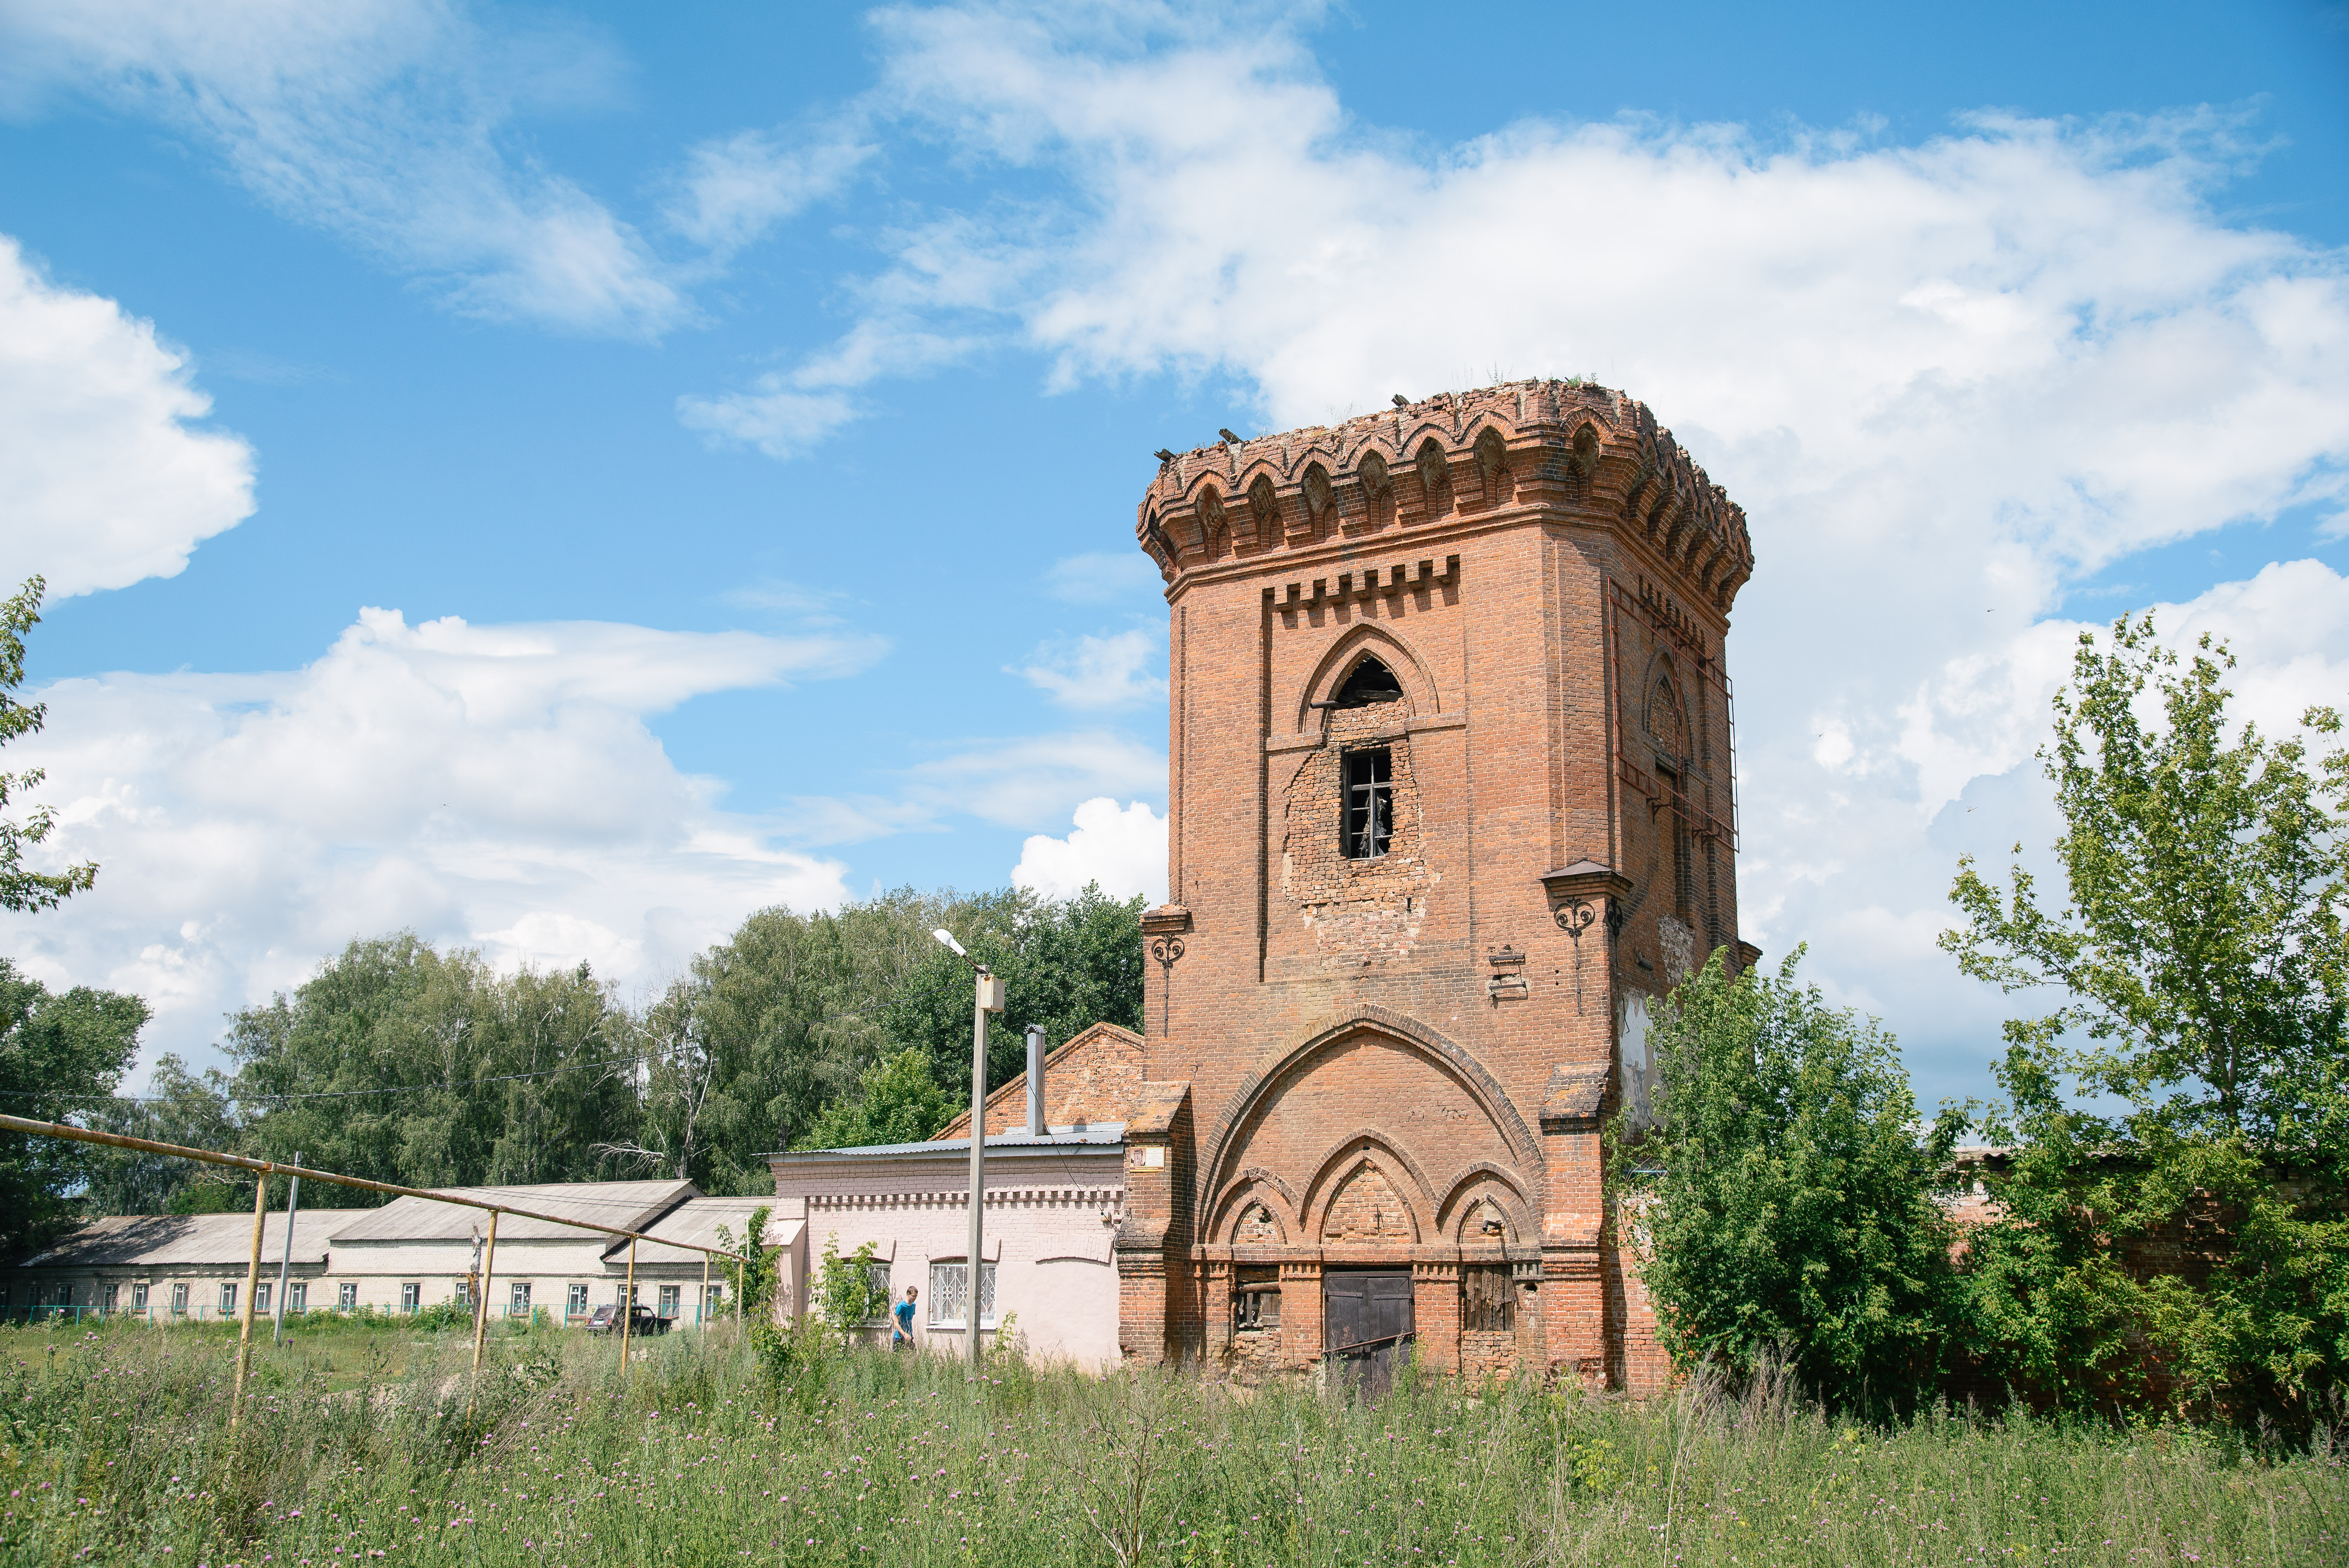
(1052, 1207)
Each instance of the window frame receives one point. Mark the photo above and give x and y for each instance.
(991, 1305)
(411, 1295)
(347, 1296)
(1373, 837)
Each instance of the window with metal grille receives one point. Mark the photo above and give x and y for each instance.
(1367, 824)
(1488, 1299)
(877, 1294)
(948, 1303)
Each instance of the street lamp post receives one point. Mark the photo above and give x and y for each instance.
(987, 1000)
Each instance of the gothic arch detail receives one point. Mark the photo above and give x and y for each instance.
(1420, 697)
(1258, 1092)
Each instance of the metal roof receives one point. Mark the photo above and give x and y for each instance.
(629, 1205)
(1104, 1135)
(697, 1220)
(189, 1241)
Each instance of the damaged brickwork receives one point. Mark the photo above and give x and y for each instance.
(1450, 802)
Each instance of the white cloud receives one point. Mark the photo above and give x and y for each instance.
(1122, 850)
(736, 187)
(1099, 673)
(106, 481)
(1947, 380)
(492, 785)
(774, 416)
(1034, 779)
(378, 120)
(1100, 577)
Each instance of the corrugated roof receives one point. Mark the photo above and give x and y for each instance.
(189, 1241)
(1107, 1135)
(697, 1220)
(630, 1206)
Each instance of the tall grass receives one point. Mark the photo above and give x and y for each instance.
(356, 1446)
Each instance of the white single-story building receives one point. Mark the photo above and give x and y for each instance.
(410, 1255)
(1055, 1196)
(170, 1267)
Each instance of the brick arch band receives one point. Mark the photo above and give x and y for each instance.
(1262, 1086)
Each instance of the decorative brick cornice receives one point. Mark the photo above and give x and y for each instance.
(1562, 452)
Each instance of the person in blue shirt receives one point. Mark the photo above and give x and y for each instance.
(901, 1337)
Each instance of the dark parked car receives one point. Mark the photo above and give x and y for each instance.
(606, 1320)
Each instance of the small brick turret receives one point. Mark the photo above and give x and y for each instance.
(1451, 800)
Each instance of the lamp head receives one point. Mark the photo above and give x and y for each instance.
(948, 938)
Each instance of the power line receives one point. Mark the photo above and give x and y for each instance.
(236, 1092)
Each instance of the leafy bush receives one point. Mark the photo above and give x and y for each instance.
(1782, 1200)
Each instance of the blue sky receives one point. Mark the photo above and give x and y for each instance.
(767, 393)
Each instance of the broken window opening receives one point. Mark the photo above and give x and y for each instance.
(1488, 1302)
(1371, 682)
(1367, 824)
(1255, 1298)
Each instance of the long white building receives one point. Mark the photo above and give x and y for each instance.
(408, 1254)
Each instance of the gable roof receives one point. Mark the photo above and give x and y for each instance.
(1090, 1080)
(697, 1221)
(188, 1240)
(629, 1205)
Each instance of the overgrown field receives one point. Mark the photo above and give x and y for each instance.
(357, 1448)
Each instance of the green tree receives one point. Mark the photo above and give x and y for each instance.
(195, 1110)
(59, 1053)
(1782, 1198)
(898, 1100)
(1066, 965)
(401, 1063)
(20, 887)
(2182, 1107)
(769, 1028)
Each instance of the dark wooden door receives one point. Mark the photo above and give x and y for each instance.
(1366, 1322)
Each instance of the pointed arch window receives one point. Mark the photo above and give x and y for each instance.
(1369, 681)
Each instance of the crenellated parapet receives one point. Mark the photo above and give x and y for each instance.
(1573, 452)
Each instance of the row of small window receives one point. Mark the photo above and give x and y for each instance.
(1487, 1301)
(346, 1297)
(109, 1296)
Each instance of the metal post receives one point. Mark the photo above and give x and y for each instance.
(481, 1320)
(701, 1307)
(252, 1278)
(738, 1294)
(987, 998)
(628, 1311)
(285, 1264)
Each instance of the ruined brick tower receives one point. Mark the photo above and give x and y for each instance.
(1451, 799)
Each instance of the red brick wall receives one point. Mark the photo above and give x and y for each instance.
(1372, 1043)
